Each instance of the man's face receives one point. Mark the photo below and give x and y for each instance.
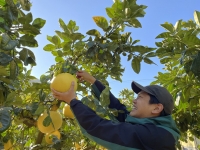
(141, 106)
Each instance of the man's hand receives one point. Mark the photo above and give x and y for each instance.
(85, 76)
(65, 96)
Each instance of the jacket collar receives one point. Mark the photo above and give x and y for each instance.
(165, 122)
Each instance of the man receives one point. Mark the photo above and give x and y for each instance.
(149, 125)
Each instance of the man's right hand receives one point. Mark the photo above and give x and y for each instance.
(85, 76)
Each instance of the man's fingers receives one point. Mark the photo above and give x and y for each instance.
(55, 92)
(72, 86)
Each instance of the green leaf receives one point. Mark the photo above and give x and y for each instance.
(60, 53)
(141, 49)
(56, 40)
(189, 24)
(25, 5)
(26, 19)
(67, 47)
(168, 26)
(5, 59)
(38, 23)
(42, 95)
(148, 61)
(32, 107)
(59, 59)
(163, 35)
(110, 12)
(10, 45)
(105, 97)
(101, 22)
(165, 60)
(63, 25)
(27, 56)
(178, 25)
(49, 38)
(3, 71)
(2, 3)
(191, 40)
(130, 56)
(28, 40)
(135, 41)
(151, 54)
(135, 23)
(94, 32)
(10, 98)
(13, 70)
(76, 36)
(79, 45)
(47, 121)
(5, 39)
(186, 93)
(6, 80)
(5, 119)
(114, 36)
(90, 44)
(71, 26)
(62, 35)
(29, 29)
(49, 47)
(136, 64)
(197, 17)
(159, 44)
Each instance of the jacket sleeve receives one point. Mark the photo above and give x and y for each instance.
(97, 88)
(111, 135)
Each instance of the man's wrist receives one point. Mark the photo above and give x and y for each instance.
(92, 80)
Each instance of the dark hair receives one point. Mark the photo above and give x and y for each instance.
(154, 100)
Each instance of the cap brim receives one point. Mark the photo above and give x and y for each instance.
(136, 87)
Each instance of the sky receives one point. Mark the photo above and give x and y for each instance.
(82, 11)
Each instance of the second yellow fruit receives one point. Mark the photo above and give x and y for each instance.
(53, 126)
(62, 82)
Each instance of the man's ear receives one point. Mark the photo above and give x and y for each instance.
(158, 108)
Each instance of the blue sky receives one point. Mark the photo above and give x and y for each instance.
(157, 12)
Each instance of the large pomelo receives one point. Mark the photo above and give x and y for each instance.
(62, 82)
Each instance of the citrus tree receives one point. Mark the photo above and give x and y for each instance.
(27, 109)
(99, 52)
(179, 51)
(17, 34)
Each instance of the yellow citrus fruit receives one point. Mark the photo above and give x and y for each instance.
(62, 82)
(77, 146)
(8, 145)
(67, 112)
(49, 136)
(53, 126)
(54, 107)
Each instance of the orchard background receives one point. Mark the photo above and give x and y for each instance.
(100, 52)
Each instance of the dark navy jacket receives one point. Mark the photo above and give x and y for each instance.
(159, 133)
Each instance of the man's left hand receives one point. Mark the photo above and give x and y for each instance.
(65, 96)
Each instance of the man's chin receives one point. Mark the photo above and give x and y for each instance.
(133, 114)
